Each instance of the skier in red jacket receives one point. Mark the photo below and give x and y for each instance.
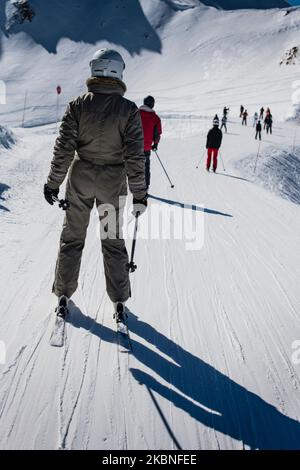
(152, 131)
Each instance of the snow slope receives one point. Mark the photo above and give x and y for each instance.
(217, 57)
(212, 330)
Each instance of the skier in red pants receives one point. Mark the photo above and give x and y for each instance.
(152, 131)
(213, 143)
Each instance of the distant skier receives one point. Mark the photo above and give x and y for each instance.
(245, 115)
(152, 131)
(258, 130)
(255, 119)
(241, 111)
(213, 144)
(261, 115)
(268, 123)
(224, 123)
(225, 111)
(105, 131)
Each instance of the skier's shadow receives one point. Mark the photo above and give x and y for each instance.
(192, 207)
(207, 395)
(234, 177)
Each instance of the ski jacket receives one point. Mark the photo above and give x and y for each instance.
(214, 138)
(268, 120)
(151, 127)
(258, 126)
(103, 128)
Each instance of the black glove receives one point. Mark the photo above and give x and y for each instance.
(154, 147)
(139, 205)
(49, 193)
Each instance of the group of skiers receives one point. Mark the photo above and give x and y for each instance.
(104, 141)
(215, 135)
(266, 117)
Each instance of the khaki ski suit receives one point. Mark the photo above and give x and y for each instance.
(101, 139)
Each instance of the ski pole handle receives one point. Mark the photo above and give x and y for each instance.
(62, 203)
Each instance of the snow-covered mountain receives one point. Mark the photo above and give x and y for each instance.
(215, 331)
(212, 50)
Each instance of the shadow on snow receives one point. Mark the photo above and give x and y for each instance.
(3, 188)
(204, 393)
(192, 207)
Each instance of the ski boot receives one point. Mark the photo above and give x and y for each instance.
(120, 314)
(62, 308)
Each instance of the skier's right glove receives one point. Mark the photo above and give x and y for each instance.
(49, 193)
(154, 147)
(139, 206)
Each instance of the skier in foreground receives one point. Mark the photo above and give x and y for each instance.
(105, 131)
(213, 144)
(152, 132)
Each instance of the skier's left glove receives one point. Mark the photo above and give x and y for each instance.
(154, 147)
(139, 206)
(49, 193)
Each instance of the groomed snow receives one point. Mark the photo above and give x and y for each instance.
(213, 330)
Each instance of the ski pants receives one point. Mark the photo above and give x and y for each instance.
(224, 125)
(244, 121)
(269, 129)
(147, 164)
(258, 133)
(212, 153)
(89, 183)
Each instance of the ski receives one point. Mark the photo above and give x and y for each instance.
(123, 335)
(57, 338)
(124, 340)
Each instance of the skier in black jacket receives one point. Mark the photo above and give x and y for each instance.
(258, 130)
(268, 123)
(213, 143)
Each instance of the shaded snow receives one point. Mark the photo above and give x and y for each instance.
(7, 138)
(277, 170)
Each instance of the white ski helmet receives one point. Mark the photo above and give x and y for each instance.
(107, 63)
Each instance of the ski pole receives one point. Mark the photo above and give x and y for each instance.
(172, 185)
(224, 169)
(131, 266)
(201, 159)
(62, 203)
